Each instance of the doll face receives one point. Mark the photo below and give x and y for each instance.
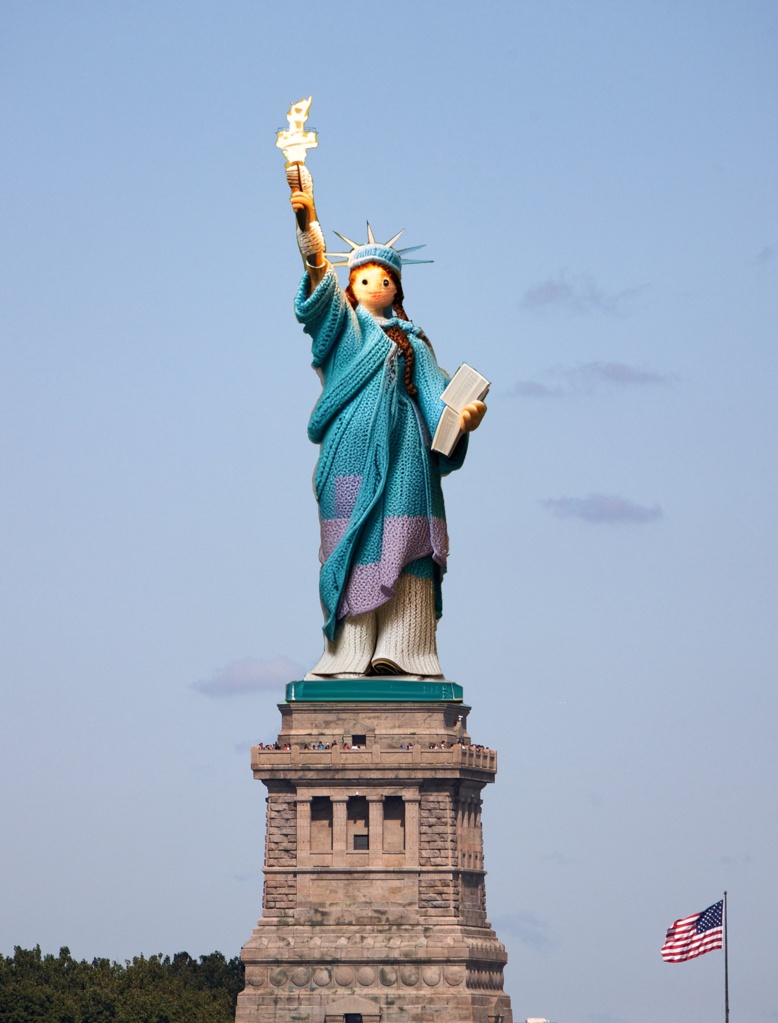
(373, 287)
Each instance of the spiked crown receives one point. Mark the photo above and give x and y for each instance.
(373, 252)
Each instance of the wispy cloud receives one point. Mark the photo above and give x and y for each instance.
(532, 389)
(602, 508)
(528, 929)
(561, 859)
(735, 861)
(249, 676)
(575, 293)
(589, 378)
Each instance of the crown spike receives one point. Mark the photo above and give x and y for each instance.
(412, 248)
(391, 241)
(370, 236)
(348, 241)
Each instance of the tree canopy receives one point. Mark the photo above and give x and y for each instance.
(36, 988)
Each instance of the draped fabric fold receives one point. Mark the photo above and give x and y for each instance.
(377, 482)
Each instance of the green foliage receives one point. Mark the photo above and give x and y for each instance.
(36, 988)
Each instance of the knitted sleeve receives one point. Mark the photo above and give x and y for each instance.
(431, 382)
(324, 314)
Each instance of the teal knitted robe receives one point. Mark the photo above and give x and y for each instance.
(376, 481)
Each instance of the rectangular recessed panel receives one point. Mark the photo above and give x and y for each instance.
(373, 690)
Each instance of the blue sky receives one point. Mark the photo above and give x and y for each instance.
(596, 185)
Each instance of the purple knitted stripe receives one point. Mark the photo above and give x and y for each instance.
(401, 532)
(332, 531)
(405, 539)
(346, 492)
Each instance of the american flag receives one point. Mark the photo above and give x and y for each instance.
(694, 935)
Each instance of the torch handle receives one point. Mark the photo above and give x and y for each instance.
(299, 179)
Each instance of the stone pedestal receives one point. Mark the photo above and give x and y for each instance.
(374, 903)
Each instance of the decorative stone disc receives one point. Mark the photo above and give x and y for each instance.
(366, 975)
(387, 975)
(409, 975)
(344, 975)
(430, 975)
(256, 976)
(454, 975)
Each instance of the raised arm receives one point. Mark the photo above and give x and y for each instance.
(310, 239)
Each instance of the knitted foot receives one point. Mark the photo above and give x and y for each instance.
(352, 650)
(406, 630)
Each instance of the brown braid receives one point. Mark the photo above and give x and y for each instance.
(395, 333)
(400, 338)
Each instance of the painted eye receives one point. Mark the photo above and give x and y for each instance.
(387, 282)
(364, 280)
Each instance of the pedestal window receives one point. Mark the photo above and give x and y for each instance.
(394, 824)
(321, 824)
(358, 824)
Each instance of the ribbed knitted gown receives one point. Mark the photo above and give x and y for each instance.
(377, 482)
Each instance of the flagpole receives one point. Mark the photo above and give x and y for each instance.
(726, 965)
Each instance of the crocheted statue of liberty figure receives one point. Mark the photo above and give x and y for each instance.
(377, 482)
